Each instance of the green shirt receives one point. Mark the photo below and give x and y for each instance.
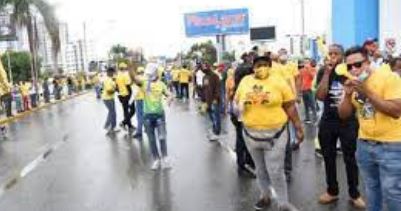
(153, 100)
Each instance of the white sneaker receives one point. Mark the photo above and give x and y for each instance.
(165, 164)
(155, 165)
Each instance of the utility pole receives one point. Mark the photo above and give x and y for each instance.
(85, 49)
(303, 27)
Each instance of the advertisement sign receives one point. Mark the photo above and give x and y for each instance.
(218, 22)
(263, 33)
(7, 28)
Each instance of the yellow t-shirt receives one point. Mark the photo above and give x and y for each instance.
(185, 75)
(108, 86)
(262, 100)
(176, 74)
(289, 72)
(374, 125)
(25, 89)
(140, 94)
(122, 80)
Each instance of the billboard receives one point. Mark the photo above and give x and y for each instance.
(263, 33)
(234, 21)
(7, 27)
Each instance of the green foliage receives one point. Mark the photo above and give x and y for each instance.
(118, 52)
(205, 50)
(228, 56)
(20, 65)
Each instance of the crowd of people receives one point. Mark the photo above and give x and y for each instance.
(352, 97)
(25, 95)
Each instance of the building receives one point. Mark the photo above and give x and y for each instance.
(75, 53)
(354, 21)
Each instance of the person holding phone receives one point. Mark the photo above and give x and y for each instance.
(376, 97)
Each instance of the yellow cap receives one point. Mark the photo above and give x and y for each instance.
(140, 69)
(122, 65)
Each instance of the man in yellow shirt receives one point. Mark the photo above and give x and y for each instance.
(184, 78)
(175, 72)
(123, 82)
(376, 97)
(109, 89)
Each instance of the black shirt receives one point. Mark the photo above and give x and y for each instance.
(241, 71)
(334, 96)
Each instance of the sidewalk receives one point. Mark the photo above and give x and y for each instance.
(17, 116)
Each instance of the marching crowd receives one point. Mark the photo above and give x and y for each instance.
(352, 96)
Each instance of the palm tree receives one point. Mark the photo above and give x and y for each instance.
(23, 15)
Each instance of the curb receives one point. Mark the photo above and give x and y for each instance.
(26, 113)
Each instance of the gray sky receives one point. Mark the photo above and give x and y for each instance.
(157, 25)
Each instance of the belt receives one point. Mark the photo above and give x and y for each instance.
(371, 142)
(276, 136)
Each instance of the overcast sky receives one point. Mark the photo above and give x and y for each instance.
(157, 25)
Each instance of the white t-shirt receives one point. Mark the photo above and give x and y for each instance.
(199, 77)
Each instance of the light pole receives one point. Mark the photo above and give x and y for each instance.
(302, 27)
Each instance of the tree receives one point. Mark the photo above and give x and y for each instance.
(206, 51)
(20, 63)
(118, 52)
(23, 11)
(228, 56)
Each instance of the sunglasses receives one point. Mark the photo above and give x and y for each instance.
(356, 64)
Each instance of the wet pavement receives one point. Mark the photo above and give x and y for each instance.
(60, 159)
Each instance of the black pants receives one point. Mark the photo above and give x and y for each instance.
(132, 110)
(184, 90)
(7, 101)
(288, 154)
(243, 156)
(329, 133)
(125, 103)
(309, 103)
(176, 86)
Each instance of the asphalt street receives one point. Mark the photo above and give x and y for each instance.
(60, 159)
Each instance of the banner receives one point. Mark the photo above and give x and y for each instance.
(218, 22)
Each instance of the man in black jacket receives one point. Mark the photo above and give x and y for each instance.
(243, 156)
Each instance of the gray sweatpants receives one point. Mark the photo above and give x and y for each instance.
(269, 165)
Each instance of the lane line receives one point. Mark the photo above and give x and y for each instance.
(31, 166)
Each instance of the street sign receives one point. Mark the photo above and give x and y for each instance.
(218, 22)
(7, 27)
(263, 33)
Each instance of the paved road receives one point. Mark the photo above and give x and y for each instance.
(63, 161)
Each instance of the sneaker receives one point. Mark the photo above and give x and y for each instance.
(137, 136)
(244, 172)
(263, 203)
(165, 163)
(122, 125)
(213, 137)
(326, 198)
(155, 165)
(358, 203)
(318, 153)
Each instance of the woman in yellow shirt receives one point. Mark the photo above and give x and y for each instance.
(266, 103)
(109, 89)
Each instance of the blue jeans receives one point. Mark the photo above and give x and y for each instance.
(139, 116)
(156, 123)
(111, 120)
(98, 91)
(380, 167)
(214, 115)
